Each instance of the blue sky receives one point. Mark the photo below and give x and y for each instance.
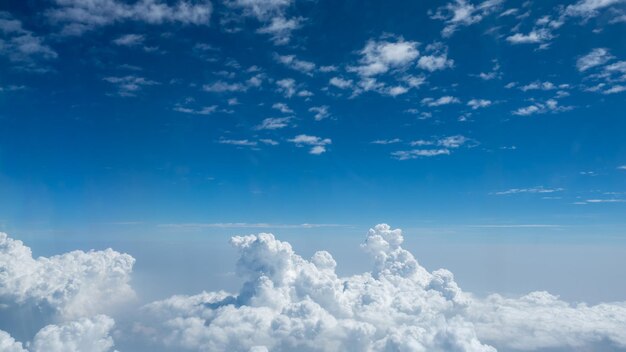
(319, 112)
(491, 131)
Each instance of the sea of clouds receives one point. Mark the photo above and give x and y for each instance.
(71, 302)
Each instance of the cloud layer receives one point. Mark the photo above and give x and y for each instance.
(289, 303)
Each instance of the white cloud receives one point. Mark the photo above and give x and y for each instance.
(128, 86)
(280, 29)
(83, 335)
(479, 103)
(538, 189)
(282, 107)
(340, 83)
(387, 141)
(417, 153)
(295, 64)
(621, 167)
(380, 56)
(70, 285)
(549, 105)
(222, 86)
(129, 40)
(8, 343)
(22, 46)
(463, 13)
(274, 123)
(318, 145)
(589, 8)
(289, 303)
(615, 89)
(321, 112)
(238, 142)
(79, 16)
(206, 110)
(445, 100)
(437, 60)
(538, 85)
(287, 86)
(540, 35)
(596, 57)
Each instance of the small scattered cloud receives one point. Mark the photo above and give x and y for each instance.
(321, 112)
(129, 40)
(129, 86)
(274, 123)
(479, 103)
(445, 100)
(550, 105)
(317, 144)
(293, 63)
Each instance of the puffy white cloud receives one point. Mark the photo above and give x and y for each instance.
(340, 83)
(289, 303)
(437, 59)
(78, 16)
(83, 335)
(8, 343)
(540, 320)
(380, 56)
(596, 57)
(71, 285)
(463, 13)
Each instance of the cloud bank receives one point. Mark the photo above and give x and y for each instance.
(289, 303)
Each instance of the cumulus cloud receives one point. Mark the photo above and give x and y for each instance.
(70, 285)
(290, 303)
(78, 16)
(380, 56)
(437, 59)
(83, 335)
(129, 86)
